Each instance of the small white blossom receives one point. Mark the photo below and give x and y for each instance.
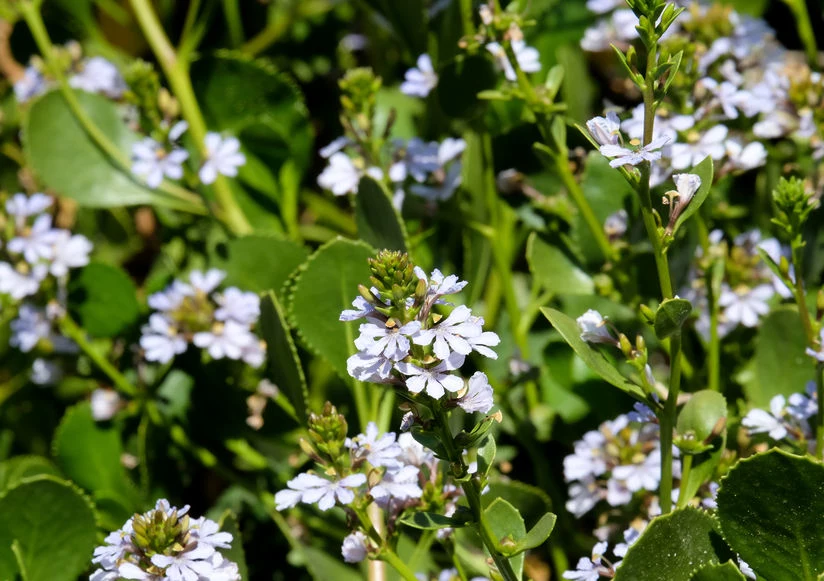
(434, 381)
(594, 328)
(311, 489)
(400, 485)
(744, 305)
(420, 80)
(151, 162)
(22, 206)
(160, 339)
(710, 144)
(686, 184)
(450, 334)
(759, 421)
(333, 147)
(340, 176)
(44, 372)
(97, 75)
(370, 368)
(19, 285)
(30, 326)
(588, 569)
(38, 242)
(70, 251)
(527, 57)
(478, 397)
(355, 547)
(363, 308)
(223, 157)
(605, 130)
(206, 282)
(378, 451)
(237, 305)
(104, 404)
(227, 339)
(30, 85)
(380, 339)
(625, 156)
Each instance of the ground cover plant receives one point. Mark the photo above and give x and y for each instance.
(432, 289)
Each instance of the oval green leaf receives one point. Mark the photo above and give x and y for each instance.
(671, 316)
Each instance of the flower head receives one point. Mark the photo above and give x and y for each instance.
(420, 80)
(223, 157)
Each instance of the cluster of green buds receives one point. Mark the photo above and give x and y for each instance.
(394, 282)
(793, 205)
(327, 437)
(160, 532)
(158, 108)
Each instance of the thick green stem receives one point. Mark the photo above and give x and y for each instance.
(181, 198)
(70, 329)
(801, 296)
(714, 362)
(398, 564)
(273, 31)
(231, 10)
(686, 467)
(667, 421)
(177, 74)
(466, 17)
(805, 29)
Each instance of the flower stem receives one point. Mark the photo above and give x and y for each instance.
(181, 198)
(398, 564)
(667, 421)
(177, 73)
(466, 17)
(805, 29)
(70, 329)
(686, 467)
(714, 362)
(801, 295)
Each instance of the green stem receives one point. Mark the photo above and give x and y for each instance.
(686, 467)
(177, 74)
(467, 17)
(273, 31)
(667, 421)
(714, 362)
(472, 492)
(70, 329)
(231, 10)
(182, 198)
(805, 29)
(801, 295)
(398, 564)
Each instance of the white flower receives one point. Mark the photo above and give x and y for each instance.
(30, 85)
(587, 459)
(594, 328)
(379, 339)
(227, 339)
(378, 451)
(745, 306)
(440, 191)
(588, 569)
(440, 285)
(160, 340)
(104, 404)
(710, 144)
(644, 475)
(70, 251)
(223, 157)
(38, 243)
(208, 533)
(583, 496)
(686, 185)
(30, 326)
(528, 58)
(604, 6)
(618, 29)
(421, 80)
(22, 206)
(44, 372)
(97, 75)
(354, 548)
(436, 380)
(407, 421)
(478, 397)
(340, 176)
(311, 489)
(334, 146)
(746, 570)
(370, 368)
(624, 156)
(237, 305)
(450, 334)
(19, 285)
(190, 565)
(605, 130)
(745, 157)
(759, 421)
(401, 485)
(363, 308)
(151, 162)
(449, 149)
(206, 282)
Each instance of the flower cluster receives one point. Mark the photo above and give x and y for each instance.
(598, 565)
(93, 75)
(165, 544)
(787, 419)
(394, 471)
(737, 88)
(406, 342)
(195, 312)
(622, 457)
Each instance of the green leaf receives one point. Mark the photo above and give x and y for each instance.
(15, 469)
(568, 328)
(670, 317)
(704, 171)
(174, 396)
(259, 105)
(326, 285)
(672, 547)
(379, 223)
(779, 365)
(459, 83)
(726, 572)
(430, 521)
(538, 534)
(508, 526)
(769, 507)
(89, 453)
(104, 299)
(402, 109)
(259, 263)
(701, 414)
(53, 527)
(67, 161)
(285, 369)
(554, 270)
(486, 456)
(228, 523)
(408, 21)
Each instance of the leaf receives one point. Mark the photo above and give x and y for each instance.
(779, 365)
(174, 396)
(228, 523)
(89, 453)
(104, 299)
(430, 521)
(670, 317)
(68, 162)
(326, 285)
(704, 171)
(538, 534)
(508, 526)
(459, 83)
(672, 547)
(701, 414)
(486, 456)
(568, 328)
(15, 469)
(553, 269)
(379, 223)
(285, 369)
(726, 572)
(769, 507)
(259, 263)
(53, 527)
(262, 107)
